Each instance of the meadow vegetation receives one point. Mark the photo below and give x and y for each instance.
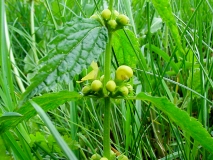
(111, 79)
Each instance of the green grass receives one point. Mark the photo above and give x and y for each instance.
(172, 51)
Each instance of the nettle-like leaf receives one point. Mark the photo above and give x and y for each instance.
(126, 46)
(189, 124)
(48, 101)
(76, 45)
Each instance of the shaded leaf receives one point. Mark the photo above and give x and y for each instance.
(47, 102)
(77, 44)
(181, 118)
(126, 46)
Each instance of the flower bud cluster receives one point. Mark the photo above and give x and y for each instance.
(119, 87)
(112, 20)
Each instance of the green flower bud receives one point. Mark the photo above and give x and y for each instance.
(124, 72)
(130, 88)
(106, 14)
(122, 19)
(96, 85)
(111, 85)
(95, 157)
(102, 78)
(112, 24)
(116, 13)
(122, 157)
(124, 91)
(112, 155)
(86, 89)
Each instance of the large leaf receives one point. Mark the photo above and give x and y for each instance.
(165, 11)
(47, 102)
(76, 45)
(126, 47)
(181, 118)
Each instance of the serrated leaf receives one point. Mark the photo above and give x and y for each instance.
(71, 143)
(126, 46)
(165, 11)
(40, 137)
(47, 102)
(181, 118)
(76, 45)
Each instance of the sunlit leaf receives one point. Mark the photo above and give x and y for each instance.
(126, 46)
(189, 124)
(47, 102)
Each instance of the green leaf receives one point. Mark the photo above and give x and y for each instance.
(3, 150)
(47, 102)
(11, 114)
(9, 138)
(194, 82)
(181, 118)
(126, 46)
(77, 44)
(54, 131)
(74, 145)
(165, 11)
(165, 56)
(156, 25)
(7, 116)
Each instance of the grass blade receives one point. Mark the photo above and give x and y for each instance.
(54, 131)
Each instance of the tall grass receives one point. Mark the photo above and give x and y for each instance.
(138, 129)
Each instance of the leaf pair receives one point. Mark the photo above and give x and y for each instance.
(53, 100)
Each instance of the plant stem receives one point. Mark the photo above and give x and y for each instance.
(106, 144)
(110, 5)
(107, 64)
(107, 60)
